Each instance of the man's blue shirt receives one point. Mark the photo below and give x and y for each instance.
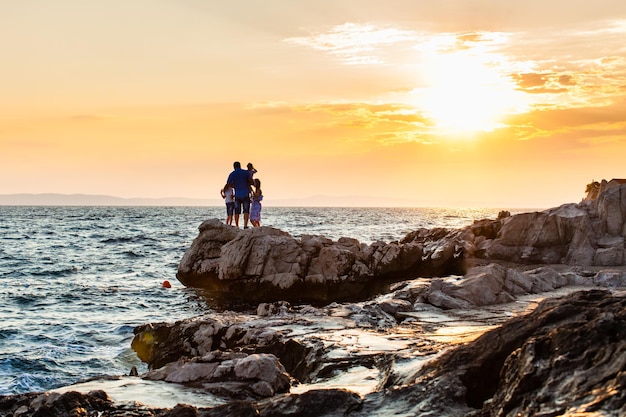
(240, 179)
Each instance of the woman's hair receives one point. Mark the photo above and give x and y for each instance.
(257, 183)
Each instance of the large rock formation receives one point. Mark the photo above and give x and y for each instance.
(589, 233)
(566, 358)
(266, 264)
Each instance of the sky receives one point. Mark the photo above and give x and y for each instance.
(447, 103)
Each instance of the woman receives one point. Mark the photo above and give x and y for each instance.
(255, 206)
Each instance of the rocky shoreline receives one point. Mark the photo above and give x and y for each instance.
(518, 316)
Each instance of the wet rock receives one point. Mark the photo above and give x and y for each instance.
(262, 374)
(610, 278)
(492, 284)
(269, 309)
(568, 356)
(53, 404)
(394, 306)
(336, 402)
(314, 403)
(160, 344)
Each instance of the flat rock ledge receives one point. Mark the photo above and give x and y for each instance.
(566, 358)
(267, 264)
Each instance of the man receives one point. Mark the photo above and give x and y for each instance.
(241, 180)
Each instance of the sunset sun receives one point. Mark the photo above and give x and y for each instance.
(465, 92)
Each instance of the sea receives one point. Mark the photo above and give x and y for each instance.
(76, 281)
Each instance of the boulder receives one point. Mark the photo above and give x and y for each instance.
(589, 233)
(610, 278)
(266, 264)
(567, 357)
(160, 344)
(492, 284)
(553, 236)
(259, 375)
(53, 404)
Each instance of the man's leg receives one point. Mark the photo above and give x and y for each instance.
(237, 211)
(246, 212)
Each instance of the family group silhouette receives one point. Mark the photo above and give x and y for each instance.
(242, 193)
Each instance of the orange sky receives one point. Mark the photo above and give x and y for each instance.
(463, 103)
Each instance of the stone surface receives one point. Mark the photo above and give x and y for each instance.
(494, 284)
(266, 264)
(262, 375)
(567, 357)
(47, 404)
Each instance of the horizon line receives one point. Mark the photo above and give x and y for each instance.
(104, 200)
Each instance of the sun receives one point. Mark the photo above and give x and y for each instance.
(465, 92)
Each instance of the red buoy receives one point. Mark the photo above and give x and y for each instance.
(166, 284)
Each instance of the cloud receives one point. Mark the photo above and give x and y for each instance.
(583, 123)
(541, 83)
(355, 43)
(532, 80)
(566, 80)
(344, 125)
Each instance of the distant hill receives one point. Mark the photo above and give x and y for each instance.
(51, 199)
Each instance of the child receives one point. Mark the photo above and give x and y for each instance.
(251, 169)
(228, 194)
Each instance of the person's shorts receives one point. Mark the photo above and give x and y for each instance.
(230, 208)
(242, 203)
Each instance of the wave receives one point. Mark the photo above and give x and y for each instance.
(129, 239)
(61, 272)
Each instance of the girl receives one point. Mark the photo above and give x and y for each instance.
(255, 207)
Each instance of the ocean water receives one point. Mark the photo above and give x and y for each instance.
(75, 281)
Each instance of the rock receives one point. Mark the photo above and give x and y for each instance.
(394, 306)
(314, 403)
(545, 237)
(260, 374)
(263, 367)
(52, 404)
(566, 357)
(204, 336)
(158, 344)
(265, 264)
(589, 233)
(491, 284)
(269, 309)
(610, 278)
